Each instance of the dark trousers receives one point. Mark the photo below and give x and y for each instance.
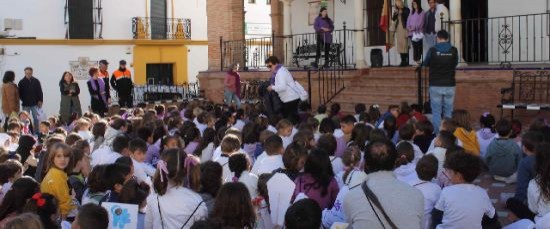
(125, 100)
(322, 45)
(417, 50)
(290, 111)
(519, 209)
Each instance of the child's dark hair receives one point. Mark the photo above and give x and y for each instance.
(175, 163)
(305, 213)
(293, 153)
(273, 145)
(46, 123)
(348, 119)
(487, 120)
(120, 143)
(208, 136)
(531, 140)
(44, 205)
(211, 177)
(504, 128)
(380, 156)
(166, 139)
(137, 144)
(516, 128)
(405, 154)
(115, 174)
(334, 109)
(318, 166)
(72, 138)
(92, 216)
(425, 126)
(468, 165)
(447, 139)
(238, 164)
(426, 168)
(406, 132)
(377, 135)
(126, 161)
(16, 198)
(327, 126)
(251, 133)
(390, 126)
(192, 134)
(350, 158)
(304, 138)
(134, 192)
(144, 133)
(328, 143)
(234, 206)
(360, 108)
(262, 187)
(416, 107)
(95, 181)
(321, 109)
(8, 170)
(360, 135)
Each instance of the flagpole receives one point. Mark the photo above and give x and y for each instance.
(388, 31)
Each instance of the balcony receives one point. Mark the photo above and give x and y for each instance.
(152, 28)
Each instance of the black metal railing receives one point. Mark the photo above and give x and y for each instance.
(295, 51)
(160, 93)
(161, 28)
(330, 83)
(502, 40)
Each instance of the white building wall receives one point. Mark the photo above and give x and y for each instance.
(258, 13)
(339, 14)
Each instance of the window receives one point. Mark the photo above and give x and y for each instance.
(251, 1)
(160, 74)
(80, 20)
(373, 34)
(268, 2)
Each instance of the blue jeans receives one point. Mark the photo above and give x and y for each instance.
(33, 111)
(441, 101)
(229, 97)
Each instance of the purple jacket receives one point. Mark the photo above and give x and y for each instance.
(306, 184)
(415, 23)
(324, 23)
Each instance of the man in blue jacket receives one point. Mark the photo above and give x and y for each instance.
(442, 60)
(30, 92)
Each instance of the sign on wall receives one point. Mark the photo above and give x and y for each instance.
(81, 67)
(258, 29)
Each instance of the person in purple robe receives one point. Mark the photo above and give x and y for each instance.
(99, 93)
(323, 26)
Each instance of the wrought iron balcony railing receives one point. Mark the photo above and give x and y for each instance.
(153, 28)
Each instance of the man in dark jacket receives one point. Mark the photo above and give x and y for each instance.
(442, 60)
(121, 81)
(30, 92)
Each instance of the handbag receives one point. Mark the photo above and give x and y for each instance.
(371, 197)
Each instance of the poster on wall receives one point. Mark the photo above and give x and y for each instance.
(80, 68)
(315, 6)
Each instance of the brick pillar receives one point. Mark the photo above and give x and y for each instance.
(225, 19)
(277, 27)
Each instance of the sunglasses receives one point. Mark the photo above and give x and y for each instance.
(269, 66)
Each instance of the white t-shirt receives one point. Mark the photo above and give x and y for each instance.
(337, 164)
(174, 215)
(201, 127)
(224, 162)
(464, 206)
(207, 153)
(250, 180)
(143, 171)
(104, 155)
(406, 173)
(536, 203)
(267, 164)
(286, 141)
(272, 129)
(417, 151)
(239, 124)
(431, 193)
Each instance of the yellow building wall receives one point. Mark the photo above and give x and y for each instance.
(160, 54)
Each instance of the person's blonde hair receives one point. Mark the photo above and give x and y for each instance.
(283, 124)
(462, 119)
(25, 221)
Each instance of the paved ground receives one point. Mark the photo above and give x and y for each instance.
(499, 192)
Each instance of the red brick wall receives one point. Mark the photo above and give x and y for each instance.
(225, 19)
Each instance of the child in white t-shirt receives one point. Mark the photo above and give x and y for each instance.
(426, 169)
(405, 165)
(463, 204)
(239, 166)
(406, 134)
(230, 145)
(445, 140)
(284, 130)
(272, 158)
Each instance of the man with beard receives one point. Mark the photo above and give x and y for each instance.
(121, 81)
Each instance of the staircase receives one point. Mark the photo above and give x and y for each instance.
(382, 86)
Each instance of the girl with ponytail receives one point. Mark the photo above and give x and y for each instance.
(239, 165)
(170, 187)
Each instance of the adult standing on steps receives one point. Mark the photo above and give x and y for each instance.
(281, 82)
(323, 26)
(442, 60)
(30, 92)
(232, 86)
(70, 103)
(399, 18)
(121, 81)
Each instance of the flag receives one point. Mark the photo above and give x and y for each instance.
(384, 18)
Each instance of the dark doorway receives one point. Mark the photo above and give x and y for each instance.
(160, 74)
(373, 34)
(81, 22)
(474, 30)
(158, 19)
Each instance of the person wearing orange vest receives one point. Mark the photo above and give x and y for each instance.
(121, 81)
(103, 73)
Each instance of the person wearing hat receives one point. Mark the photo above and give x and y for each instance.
(323, 26)
(121, 81)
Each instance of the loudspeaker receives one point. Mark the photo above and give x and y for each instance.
(376, 58)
